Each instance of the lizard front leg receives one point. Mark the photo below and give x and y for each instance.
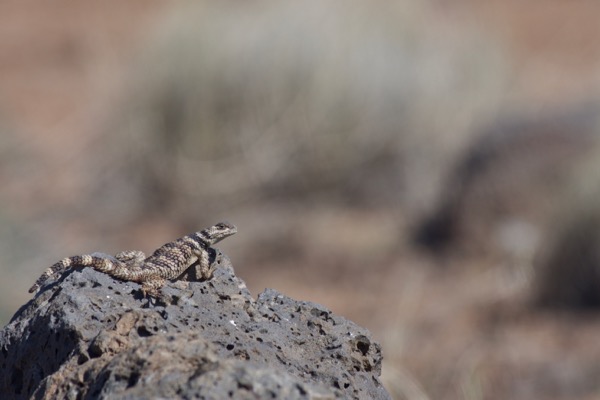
(204, 270)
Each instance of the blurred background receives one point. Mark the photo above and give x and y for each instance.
(429, 170)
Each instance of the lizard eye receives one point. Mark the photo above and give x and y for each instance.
(224, 228)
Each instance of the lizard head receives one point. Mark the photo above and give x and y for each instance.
(220, 231)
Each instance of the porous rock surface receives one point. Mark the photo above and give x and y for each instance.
(90, 336)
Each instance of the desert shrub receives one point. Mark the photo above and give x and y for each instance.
(353, 102)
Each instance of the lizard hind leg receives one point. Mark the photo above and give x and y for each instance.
(133, 258)
(152, 286)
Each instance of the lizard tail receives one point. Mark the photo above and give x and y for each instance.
(99, 263)
(54, 269)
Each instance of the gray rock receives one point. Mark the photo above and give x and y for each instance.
(90, 336)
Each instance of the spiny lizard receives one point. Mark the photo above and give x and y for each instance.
(167, 262)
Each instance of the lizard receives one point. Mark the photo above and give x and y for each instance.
(168, 262)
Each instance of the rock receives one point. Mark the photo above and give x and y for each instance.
(567, 264)
(91, 336)
(512, 171)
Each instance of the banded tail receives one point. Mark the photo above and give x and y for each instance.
(99, 261)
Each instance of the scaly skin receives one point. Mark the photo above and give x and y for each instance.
(167, 262)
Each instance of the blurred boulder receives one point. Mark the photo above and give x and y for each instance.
(567, 268)
(509, 175)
